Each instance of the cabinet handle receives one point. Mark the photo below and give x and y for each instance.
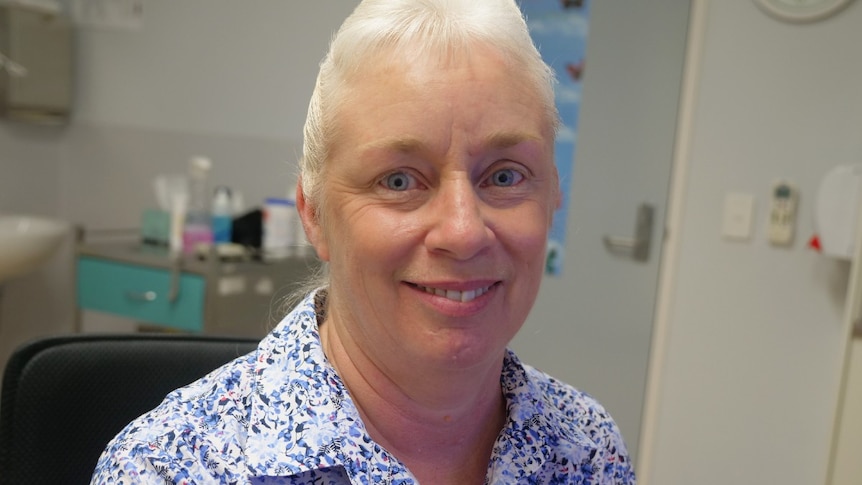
(141, 295)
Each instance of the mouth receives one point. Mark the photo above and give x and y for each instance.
(456, 295)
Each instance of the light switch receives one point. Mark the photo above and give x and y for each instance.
(738, 216)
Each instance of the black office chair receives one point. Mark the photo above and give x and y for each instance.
(65, 397)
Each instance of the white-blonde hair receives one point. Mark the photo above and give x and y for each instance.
(423, 29)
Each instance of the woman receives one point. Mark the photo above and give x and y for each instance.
(427, 185)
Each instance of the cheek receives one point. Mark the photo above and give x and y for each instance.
(527, 231)
(527, 246)
(366, 236)
(532, 246)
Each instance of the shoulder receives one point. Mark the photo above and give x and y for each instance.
(571, 408)
(562, 405)
(197, 428)
(578, 422)
(201, 430)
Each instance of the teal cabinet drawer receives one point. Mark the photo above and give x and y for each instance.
(141, 293)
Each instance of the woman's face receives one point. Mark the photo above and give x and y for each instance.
(439, 194)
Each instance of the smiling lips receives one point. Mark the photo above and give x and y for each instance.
(455, 295)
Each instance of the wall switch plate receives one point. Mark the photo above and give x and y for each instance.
(738, 216)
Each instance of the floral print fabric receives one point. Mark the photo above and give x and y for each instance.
(282, 415)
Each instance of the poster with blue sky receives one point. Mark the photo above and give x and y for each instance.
(559, 28)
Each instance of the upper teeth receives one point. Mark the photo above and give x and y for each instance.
(455, 295)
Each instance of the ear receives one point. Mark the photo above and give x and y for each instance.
(311, 223)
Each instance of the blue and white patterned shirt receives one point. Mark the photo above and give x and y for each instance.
(282, 415)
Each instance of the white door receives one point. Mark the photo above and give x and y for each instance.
(592, 326)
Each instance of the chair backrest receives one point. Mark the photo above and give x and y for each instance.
(64, 398)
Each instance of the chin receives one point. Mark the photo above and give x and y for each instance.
(466, 354)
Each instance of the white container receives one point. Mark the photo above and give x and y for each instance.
(836, 210)
(279, 228)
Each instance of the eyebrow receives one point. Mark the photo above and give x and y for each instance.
(400, 144)
(507, 139)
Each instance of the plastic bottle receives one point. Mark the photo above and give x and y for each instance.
(222, 215)
(278, 228)
(198, 226)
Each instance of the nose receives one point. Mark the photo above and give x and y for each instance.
(459, 227)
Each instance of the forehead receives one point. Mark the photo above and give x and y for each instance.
(423, 64)
(476, 91)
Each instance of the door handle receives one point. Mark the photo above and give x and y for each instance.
(638, 246)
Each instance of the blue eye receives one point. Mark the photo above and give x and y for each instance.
(506, 177)
(398, 181)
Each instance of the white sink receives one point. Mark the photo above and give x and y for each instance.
(26, 242)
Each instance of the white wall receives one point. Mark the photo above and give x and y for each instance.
(211, 66)
(751, 373)
(29, 178)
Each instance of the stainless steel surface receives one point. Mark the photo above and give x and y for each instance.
(638, 246)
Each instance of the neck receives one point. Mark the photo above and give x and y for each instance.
(441, 424)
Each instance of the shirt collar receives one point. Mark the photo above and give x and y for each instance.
(294, 423)
(302, 418)
(309, 422)
(536, 426)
